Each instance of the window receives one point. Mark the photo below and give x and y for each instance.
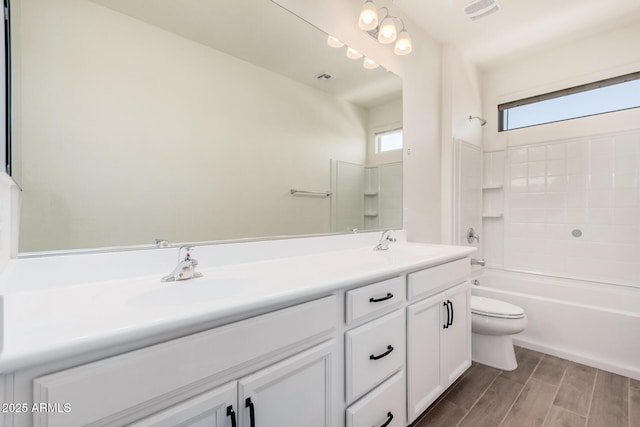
(605, 96)
(389, 141)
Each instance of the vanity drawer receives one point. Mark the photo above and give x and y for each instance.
(385, 403)
(428, 282)
(374, 351)
(376, 298)
(114, 386)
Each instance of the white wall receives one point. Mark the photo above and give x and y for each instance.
(460, 99)
(208, 160)
(421, 104)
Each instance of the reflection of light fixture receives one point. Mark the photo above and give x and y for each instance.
(370, 64)
(334, 42)
(386, 32)
(353, 54)
(368, 19)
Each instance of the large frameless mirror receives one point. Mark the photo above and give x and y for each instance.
(192, 121)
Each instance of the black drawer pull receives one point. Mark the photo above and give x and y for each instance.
(231, 413)
(446, 325)
(252, 412)
(389, 418)
(451, 305)
(389, 296)
(386, 353)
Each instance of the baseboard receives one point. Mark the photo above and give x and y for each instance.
(579, 358)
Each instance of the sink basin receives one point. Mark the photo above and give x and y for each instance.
(195, 291)
(411, 251)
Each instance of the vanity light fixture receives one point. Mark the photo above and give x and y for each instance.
(386, 32)
(368, 19)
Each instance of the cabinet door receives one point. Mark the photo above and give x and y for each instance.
(455, 349)
(215, 408)
(424, 324)
(294, 392)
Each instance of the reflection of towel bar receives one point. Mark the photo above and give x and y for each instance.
(310, 193)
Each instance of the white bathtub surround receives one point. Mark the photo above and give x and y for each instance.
(588, 322)
(84, 303)
(573, 208)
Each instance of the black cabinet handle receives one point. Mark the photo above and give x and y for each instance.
(380, 356)
(252, 412)
(451, 304)
(389, 418)
(231, 413)
(389, 296)
(446, 325)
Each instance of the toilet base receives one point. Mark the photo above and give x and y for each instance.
(494, 350)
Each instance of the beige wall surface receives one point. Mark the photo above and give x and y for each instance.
(208, 159)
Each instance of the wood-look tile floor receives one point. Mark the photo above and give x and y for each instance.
(543, 391)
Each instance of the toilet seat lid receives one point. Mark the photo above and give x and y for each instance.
(494, 308)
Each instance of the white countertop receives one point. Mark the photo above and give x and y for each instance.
(43, 324)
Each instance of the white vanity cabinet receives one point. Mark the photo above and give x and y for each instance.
(268, 356)
(438, 345)
(215, 408)
(294, 392)
(375, 351)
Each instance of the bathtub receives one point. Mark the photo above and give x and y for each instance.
(591, 323)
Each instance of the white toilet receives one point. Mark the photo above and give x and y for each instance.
(492, 324)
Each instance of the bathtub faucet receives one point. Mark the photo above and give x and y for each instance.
(479, 262)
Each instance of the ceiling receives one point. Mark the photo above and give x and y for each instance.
(520, 27)
(266, 35)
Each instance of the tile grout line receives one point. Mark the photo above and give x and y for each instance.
(593, 390)
(564, 374)
(520, 392)
(504, 417)
(478, 399)
(439, 400)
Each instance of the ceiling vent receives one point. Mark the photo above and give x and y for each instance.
(481, 8)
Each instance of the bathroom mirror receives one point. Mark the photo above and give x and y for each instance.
(193, 121)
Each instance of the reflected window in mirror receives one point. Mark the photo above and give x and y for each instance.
(390, 140)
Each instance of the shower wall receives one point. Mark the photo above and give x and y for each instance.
(572, 209)
(366, 197)
(468, 190)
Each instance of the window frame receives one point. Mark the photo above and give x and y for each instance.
(504, 107)
(386, 131)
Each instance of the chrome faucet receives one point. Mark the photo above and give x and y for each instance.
(186, 268)
(385, 239)
(472, 235)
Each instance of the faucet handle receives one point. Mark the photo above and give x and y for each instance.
(188, 249)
